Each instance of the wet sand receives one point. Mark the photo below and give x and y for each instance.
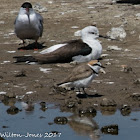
(63, 18)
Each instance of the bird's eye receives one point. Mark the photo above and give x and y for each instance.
(92, 33)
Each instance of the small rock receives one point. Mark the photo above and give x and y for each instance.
(1, 77)
(40, 8)
(107, 102)
(2, 138)
(135, 96)
(4, 126)
(43, 106)
(10, 95)
(104, 55)
(70, 104)
(61, 120)
(87, 112)
(12, 110)
(38, 85)
(110, 129)
(126, 68)
(117, 33)
(137, 81)
(22, 73)
(125, 110)
(116, 48)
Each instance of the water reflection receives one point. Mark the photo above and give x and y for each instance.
(84, 126)
(28, 106)
(79, 124)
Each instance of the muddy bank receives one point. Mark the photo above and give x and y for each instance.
(35, 82)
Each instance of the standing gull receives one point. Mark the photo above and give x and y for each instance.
(83, 50)
(28, 23)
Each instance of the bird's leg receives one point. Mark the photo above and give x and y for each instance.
(84, 92)
(78, 91)
(36, 45)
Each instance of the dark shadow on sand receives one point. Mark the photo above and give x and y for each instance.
(33, 46)
(129, 1)
(88, 96)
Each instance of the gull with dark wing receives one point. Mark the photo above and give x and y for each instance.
(82, 50)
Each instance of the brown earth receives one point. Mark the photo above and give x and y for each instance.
(117, 84)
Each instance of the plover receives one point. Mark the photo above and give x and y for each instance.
(81, 76)
(28, 23)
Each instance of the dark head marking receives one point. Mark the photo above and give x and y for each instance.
(26, 5)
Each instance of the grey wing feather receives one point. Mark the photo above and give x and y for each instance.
(40, 18)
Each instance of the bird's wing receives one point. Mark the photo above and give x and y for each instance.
(78, 73)
(65, 53)
(40, 18)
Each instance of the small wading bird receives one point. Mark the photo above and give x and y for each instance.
(81, 76)
(28, 24)
(83, 50)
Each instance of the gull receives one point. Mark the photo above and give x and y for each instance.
(81, 76)
(82, 50)
(28, 23)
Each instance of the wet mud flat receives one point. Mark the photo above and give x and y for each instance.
(118, 88)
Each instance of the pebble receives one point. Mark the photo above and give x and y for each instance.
(135, 96)
(126, 68)
(61, 120)
(43, 106)
(40, 8)
(107, 102)
(10, 95)
(12, 110)
(125, 110)
(70, 104)
(116, 33)
(110, 129)
(137, 81)
(22, 73)
(116, 48)
(87, 112)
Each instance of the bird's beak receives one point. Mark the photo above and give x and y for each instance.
(102, 66)
(106, 37)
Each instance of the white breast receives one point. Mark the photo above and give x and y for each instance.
(84, 82)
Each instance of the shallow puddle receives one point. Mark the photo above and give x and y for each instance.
(46, 121)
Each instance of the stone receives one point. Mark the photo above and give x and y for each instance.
(125, 110)
(61, 120)
(70, 104)
(40, 8)
(115, 48)
(107, 102)
(21, 73)
(135, 96)
(110, 129)
(12, 110)
(126, 69)
(116, 33)
(87, 112)
(137, 81)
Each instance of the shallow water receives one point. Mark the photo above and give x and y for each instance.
(38, 123)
